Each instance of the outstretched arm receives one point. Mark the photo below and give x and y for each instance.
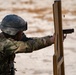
(38, 43)
(34, 44)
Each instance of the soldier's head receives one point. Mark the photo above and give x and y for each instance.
(13, 24)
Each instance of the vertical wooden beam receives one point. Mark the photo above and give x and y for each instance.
(58, 58)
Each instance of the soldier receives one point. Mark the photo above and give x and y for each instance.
(13, 41)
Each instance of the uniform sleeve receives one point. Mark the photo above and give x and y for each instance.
(42, 42)
(33, 44)
(30, 45)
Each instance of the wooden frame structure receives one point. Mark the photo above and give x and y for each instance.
(58, 58)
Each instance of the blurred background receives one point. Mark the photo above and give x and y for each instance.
(39, 15)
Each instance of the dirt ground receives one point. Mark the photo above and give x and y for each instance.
(39, 15)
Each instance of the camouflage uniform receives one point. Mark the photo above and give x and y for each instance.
(10, 25)
(9, 47)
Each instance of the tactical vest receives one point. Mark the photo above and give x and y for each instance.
(6, 64)
(6, 61)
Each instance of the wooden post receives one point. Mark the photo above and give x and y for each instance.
(58, 58)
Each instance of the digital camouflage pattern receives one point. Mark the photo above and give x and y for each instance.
(9, 47)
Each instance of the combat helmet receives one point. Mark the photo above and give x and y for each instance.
(11, 24)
